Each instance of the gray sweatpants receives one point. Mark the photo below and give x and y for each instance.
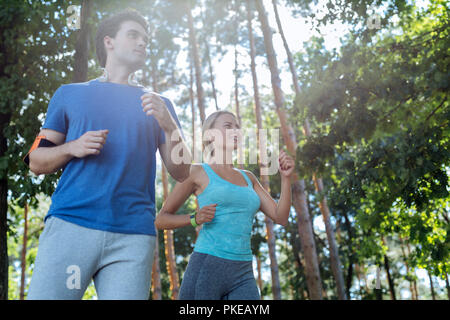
(69, 256)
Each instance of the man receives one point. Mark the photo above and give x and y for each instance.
(104, 134)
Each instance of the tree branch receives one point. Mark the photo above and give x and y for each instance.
(436, 109)
(398, 106)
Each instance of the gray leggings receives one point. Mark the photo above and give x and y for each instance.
(69, 256)
(212, 278)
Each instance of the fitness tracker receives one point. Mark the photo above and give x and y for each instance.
(193, 222)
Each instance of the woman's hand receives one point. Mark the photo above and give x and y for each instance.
(286, 164)
(206, 213)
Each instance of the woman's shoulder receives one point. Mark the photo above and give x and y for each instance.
(250, 175)
(196, 170)
(196, 167)
(198, 177)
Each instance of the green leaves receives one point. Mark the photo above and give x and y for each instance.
(380, 135)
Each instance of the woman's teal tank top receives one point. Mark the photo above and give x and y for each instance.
(228, 234)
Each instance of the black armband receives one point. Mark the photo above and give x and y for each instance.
(40, 141)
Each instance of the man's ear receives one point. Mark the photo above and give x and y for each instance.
(108, 42)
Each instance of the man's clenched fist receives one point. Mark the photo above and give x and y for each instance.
(89, 143)
(153, 105)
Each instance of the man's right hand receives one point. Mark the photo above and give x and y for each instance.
(89, 143)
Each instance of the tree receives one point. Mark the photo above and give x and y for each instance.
(81, 55)
(197, 63)
(334, 255)
(264, 178)
(379, 110)
(23, 263)
(32, 43)
(299, 197)
(169, 246)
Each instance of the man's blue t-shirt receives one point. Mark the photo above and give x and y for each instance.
(114, 190)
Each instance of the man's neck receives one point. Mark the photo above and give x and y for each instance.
(117, 73)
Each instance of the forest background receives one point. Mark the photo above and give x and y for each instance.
(357, 89)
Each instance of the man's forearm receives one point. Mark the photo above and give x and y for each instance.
(178, 154)
(46, 160)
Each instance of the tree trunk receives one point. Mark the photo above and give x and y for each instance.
(361, 273)
(276, 288)
(3, 241)
(197, 64)
(194, 116)
(168, 234)
(260, 283)
(170, 264)
(390, 280)
(240, 155)
(4, 121)
(378, 290)
(23, 264)
(210, 68)
(364, 275)
(317, 239)
(156, 273)
(81, 56)
(298, 260)
(156, 270)
(211, 77)
(334, 253)
(358, 276)
(416, 293)
(236, 100)
(168, 245)
(388, 274)
(298, 188)
(433, 295)
(349, 279)
(191, 100)
(405, 260)
(447, 285)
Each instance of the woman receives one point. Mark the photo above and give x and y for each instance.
(221, 265)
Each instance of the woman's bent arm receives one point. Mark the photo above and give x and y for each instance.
(167, 217)
(278, 212)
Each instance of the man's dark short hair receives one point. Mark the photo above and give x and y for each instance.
(110, 26)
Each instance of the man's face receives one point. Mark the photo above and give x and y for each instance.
(129, 45)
